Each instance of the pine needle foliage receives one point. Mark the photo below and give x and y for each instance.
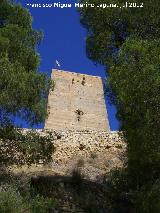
(23, 89)
(126, 41)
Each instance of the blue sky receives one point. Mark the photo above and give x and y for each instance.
(64, 40)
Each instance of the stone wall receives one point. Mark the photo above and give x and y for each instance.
(85, 143)
(77, 103)
(95, 153)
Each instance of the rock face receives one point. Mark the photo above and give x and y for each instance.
(77, 103)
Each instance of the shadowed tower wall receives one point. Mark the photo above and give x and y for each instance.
(77, 103)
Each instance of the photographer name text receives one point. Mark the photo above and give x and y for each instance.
(85, 5)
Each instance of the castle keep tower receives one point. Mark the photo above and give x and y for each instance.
(77, 103)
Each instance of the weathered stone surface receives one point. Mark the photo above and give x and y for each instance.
(94, 152)
(77, 103)
(80, 128)
(85, 143)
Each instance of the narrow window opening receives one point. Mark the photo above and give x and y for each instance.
(83, 81)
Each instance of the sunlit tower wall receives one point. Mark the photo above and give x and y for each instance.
(76, 103)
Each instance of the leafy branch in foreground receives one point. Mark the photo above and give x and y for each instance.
(126, 41)
(24, 90)
(25, 147)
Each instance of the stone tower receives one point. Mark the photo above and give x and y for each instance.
(77, 103)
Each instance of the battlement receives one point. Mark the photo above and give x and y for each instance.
(77, 103)
(71, 74)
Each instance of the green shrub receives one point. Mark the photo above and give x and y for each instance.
(25, 147)
(11, 201)
(123, 198)
(119, 196)
(148, 199)
(41, 205)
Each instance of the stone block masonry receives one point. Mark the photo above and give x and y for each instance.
(95, 153)
(80, 128)
(84, 143)
(77, 103)
(79, 125)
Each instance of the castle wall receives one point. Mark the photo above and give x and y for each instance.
(94, 153)
(77, 103)
(85, 143)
